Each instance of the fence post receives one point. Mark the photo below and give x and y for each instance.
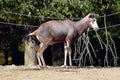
(30, 52)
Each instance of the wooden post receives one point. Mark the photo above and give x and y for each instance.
(30, 52)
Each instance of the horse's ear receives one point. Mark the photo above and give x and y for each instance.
(96, 15)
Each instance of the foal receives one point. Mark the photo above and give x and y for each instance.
(66, 31)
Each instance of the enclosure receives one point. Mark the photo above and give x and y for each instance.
(16, 23)
(95, 55)
(85, 51)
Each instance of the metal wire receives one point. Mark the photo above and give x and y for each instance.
(7, 23)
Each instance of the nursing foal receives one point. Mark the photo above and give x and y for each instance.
(66, 31)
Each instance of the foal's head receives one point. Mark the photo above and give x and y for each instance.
(93, 22)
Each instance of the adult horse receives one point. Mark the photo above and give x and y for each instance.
(66, 31)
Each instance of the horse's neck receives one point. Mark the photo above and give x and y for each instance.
(82, 25)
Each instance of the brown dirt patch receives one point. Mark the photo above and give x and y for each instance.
(57, 73)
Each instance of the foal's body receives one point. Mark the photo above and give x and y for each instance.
(57, 31)
(65, 31)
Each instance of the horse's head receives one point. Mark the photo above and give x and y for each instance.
(93, 21)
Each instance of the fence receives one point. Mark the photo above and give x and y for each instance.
(84, 48)
(52, 18)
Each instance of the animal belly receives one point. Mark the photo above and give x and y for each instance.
(55, 41)
(59, 39)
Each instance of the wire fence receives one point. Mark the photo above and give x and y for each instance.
(14, 24)
(52, 18)
(24, 25)
(84, 49)
(29, 15)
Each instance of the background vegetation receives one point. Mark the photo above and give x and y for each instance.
(35, 12)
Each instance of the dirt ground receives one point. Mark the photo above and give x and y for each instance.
(57, 73)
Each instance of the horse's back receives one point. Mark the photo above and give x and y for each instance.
(57, 30)
(55, 27)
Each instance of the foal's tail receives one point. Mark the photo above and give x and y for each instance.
(31, 37)
(33, 33)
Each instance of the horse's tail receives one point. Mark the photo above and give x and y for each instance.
(31, 36)
(33, 33)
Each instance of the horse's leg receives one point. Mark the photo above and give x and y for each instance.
(69, 52)
(69, 55)
(40, 52)
(38, 57)
(65, 55)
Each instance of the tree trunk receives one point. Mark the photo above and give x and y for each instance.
(30, 58)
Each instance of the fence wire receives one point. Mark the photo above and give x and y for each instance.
(84, 49)
(24, 25)
(52, 18)
(29, 15)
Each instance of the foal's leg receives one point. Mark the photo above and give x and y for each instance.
(40, 52)
(69, 53)
(38, 57)
(65, 55)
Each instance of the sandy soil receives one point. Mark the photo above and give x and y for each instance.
(57, 73)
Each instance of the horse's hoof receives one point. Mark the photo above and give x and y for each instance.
(44, 67)
(64, 66)
(71, 67)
